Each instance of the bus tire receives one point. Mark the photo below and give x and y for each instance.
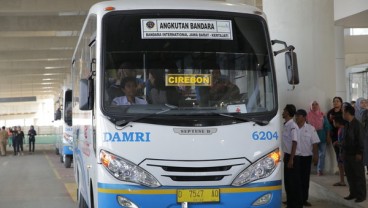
(68, 161)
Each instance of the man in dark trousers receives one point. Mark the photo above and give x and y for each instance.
(290, 143)
(32, 138)
(352, 150)
(308, 146)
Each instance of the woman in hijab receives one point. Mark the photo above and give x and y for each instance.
(320, 122)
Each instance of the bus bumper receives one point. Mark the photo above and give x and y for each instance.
(165, 197)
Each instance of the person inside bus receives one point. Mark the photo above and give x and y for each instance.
(126, 69)
(129, 87)
(159, 93)
(222, 89)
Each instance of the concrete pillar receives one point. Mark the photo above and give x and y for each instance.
(342, 81)
(309, 26)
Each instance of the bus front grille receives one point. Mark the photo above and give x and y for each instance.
(197, 178)
(191, 173)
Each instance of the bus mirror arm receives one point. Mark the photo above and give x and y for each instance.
(287, 48)
(273, 42)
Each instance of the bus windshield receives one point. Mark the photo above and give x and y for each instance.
(193, 64)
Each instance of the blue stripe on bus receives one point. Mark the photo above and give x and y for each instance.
(67, 150)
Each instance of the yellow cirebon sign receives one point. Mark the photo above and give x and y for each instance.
(188, 80)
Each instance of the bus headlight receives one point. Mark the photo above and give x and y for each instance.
(127, 171)
(263, 168)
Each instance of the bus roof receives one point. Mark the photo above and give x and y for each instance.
(208, 5)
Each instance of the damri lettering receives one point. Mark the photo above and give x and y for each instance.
(141, 137)
(127, 137)
(116, 137)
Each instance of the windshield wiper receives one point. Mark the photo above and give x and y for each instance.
(257, 121)
(172, 107)
(126, 121)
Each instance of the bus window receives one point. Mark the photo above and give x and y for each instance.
(203, 76)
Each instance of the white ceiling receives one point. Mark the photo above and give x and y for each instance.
(37, 39)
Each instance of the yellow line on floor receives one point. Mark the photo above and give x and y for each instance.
(52, 166)
(72, 190)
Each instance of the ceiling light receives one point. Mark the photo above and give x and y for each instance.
(55, 67)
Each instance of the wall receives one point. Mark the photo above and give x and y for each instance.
(309, 26)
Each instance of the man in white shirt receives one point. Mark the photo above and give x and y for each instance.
(290, 143)
(308, 146)
(129, 87)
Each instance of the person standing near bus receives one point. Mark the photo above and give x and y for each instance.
(336, 111)
(14, 139)
(290, 143)
(10, 137)
(18, 137)
(352, 149)
(32, 138)
(320, 122)
(308, 143)
(3, 140)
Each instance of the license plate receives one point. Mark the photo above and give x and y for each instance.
(198, 195)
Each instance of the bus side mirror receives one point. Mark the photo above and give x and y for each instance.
(291, 68)
(57, 115)
(68, 108)
(86, 94)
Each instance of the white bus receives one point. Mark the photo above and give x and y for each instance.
(63, 127)
(175, 105)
